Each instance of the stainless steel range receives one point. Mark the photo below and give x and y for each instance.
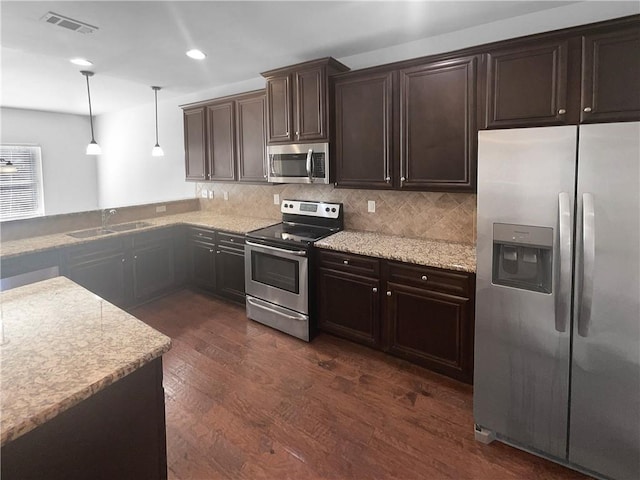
(276, 266)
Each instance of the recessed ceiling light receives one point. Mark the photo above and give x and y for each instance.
(81, 61)
(196, 54)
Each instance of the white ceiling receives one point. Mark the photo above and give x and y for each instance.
(143, 43)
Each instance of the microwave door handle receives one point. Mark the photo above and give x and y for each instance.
(309, 165)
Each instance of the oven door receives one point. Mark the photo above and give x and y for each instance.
(277, 275)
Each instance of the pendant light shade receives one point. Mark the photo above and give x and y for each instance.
(157, 149)
(6, 166)
(93, 148)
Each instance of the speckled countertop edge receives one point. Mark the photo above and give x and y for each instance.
(39, 350)
(225, 223)
(433, 253)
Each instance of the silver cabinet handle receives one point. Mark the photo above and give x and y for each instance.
(211, 250)
(562, 111)
(588, 260)
(232, 240)
(402, 179)
(123, 260)
(387, 179)
(346, 262)
(375, 290)
(298, 134)
(587, 109)
(199, 234)
(217, 251)
(425, 278)
(388, 293)
(564, 272)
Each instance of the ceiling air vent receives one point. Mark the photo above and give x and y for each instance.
(68, 23)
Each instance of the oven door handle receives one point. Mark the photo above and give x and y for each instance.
(299, 253)
(309, 165)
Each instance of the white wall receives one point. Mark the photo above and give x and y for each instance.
(69, 175)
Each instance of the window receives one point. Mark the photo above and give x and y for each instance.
(21, 194)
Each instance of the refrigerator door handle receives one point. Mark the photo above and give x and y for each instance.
(588, 261)
(564, 274)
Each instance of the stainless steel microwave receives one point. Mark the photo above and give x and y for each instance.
(299, 163)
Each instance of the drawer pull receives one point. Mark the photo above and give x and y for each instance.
(425, 278)
(375, 290)
(346, 262)
(217, 251)
(210, 250)
(562, 111)
(232, 239)
(388, 293)
(587, 109)
(199, 234)
(123, 260)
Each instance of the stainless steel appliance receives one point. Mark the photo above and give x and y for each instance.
(277, 280)
(299, 163)
(557, 340)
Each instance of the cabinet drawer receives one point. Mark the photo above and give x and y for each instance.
(202, 234)
(230, 240)
(455, 283)
(349, 262)
(95, 249)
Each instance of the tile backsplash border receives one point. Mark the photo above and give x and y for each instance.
(425, 215)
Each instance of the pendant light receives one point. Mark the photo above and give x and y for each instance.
(93, 148)
(6, 166)
(157, 150)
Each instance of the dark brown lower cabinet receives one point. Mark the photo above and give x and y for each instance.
(230, 273)
(119, 432)
(421, 314)
(202, 265)
(153, 264)
(349, 306)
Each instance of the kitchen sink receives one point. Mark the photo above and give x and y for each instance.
(92, 232)
(97, 232)
(123, 227)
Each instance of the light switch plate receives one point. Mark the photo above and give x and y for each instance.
(371, 206)
(203, 194)
(276, 199)
(225, 195)
(210, 193)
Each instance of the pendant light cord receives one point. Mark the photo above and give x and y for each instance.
(90, 111)
(155, 90)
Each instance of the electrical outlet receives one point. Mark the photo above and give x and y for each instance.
(161, 208)
(203, 193)
(211, 194)
(276, 199)
(371, 206)
(225, 195)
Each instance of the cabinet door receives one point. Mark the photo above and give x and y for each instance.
(364, 113)
(429, 328)
(202, 265)
(153, 269)
(437, 126)
(349, 306)
(311, 105)
(251, 136)
(221, 141)
(230, 273)
(611, 77)
(527, 86)
(279, 109)
(106, 276)
(194, 144)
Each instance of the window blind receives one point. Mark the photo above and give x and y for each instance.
(21, 193)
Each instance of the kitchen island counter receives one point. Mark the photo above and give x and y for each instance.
(62, 345)
(431, 253)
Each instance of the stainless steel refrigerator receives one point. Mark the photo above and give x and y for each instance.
(557, 339)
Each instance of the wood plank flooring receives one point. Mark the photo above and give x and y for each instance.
(244, 401)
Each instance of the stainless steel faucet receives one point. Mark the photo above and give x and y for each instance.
(106, 215)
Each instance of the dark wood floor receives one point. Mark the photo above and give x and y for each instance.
(246, 401)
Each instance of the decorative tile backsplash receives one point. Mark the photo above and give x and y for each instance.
(427, 215)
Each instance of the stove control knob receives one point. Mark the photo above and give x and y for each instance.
(327, 209)
(333, 209)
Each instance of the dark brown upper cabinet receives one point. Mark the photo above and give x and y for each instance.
(225, 139)
(194, 144)
(438, 125)
(221, 140)
(251, 137)
(364, 130)
(611, 76)
(527, 85)
(298, 101)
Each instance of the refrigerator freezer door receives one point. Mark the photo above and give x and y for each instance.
(604, 433)
(521, 380)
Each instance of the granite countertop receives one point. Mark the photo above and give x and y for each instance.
(61, 345)
(432, 253)
(227, 223)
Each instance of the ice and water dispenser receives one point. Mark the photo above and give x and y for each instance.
(523, 256)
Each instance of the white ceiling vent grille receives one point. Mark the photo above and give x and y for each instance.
(68, 23)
